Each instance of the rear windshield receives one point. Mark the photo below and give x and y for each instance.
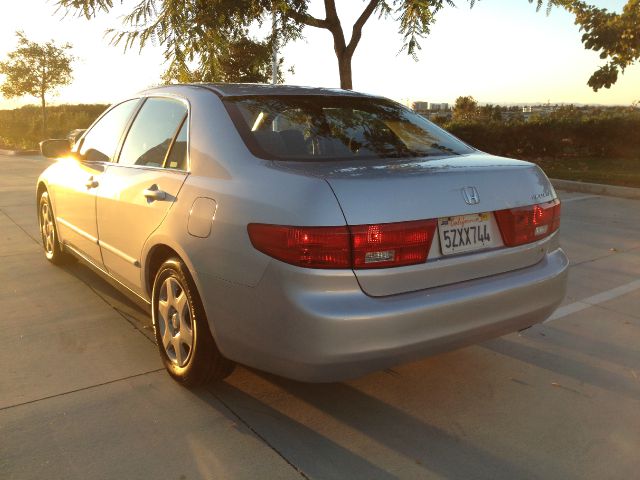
(320, 128)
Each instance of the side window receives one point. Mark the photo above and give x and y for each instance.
(101, 142)
(152, 132)
(177, 158)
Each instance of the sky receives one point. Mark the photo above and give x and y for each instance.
(501, 51)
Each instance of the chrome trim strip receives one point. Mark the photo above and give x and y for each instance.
(119, 253)
(147, 167)
(104, 272)
(80, 232)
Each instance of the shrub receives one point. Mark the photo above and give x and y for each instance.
(21, 128)
(564, 133)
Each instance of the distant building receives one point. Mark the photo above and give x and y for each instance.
(424, 108)
(438, 107)
(432, 110)
(420, 107)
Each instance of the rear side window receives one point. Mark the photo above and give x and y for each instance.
(152, 132)
(323, 128)
(101, 142)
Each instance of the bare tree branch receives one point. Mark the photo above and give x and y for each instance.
(357, 26)
(307, 19)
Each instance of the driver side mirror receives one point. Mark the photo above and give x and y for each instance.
(55, 148)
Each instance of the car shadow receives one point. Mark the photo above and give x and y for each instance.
(566, 366)
(578, 342)
(133, 312)
(308, 451)
(428, 448)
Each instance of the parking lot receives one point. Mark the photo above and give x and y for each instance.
(83, 394)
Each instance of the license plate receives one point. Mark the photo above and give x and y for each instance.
(466, 233)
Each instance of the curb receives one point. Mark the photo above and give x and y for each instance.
(596, 189)
(17, 153)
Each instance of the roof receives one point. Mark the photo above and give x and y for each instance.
(241, 89)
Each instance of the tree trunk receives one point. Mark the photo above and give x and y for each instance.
(344, 68)
(344, 51)
(44, 118)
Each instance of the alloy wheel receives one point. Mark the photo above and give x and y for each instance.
(47, 229)
(175, 322)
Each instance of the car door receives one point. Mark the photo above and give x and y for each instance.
(137, 192)
(75, 190)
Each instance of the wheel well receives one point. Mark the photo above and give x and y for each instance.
(156, 258)
(41, 188)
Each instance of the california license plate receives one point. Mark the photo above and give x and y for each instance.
(466, 233)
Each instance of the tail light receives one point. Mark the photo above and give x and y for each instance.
(391, 244)
(360, 246)
(312, 247)
(388, 244)
(528, 224)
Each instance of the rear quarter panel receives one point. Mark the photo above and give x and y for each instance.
(245, 189)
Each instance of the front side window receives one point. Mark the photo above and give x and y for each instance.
(317, 128)
(101, 142)
(152, 132)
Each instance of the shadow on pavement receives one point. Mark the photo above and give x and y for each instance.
(580, 343)
(432, 449)
(564, 365)
(308, 451)
(134, 313)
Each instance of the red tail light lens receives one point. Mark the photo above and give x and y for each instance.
(528, 224)
(392, 244)
(360, 246)
(312, 247)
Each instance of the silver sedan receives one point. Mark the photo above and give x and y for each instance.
(317, 234)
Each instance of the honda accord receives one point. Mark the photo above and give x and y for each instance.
(314, 233)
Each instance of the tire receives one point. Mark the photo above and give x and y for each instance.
(49, 232)
(187, 348)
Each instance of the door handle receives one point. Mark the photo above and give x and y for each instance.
(153, 193)
(91, 183)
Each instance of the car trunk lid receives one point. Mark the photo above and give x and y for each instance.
(378, 192)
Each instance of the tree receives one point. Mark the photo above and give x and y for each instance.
(37, 70)
(615, 35)
(465, 109)
(490, 113)
(415, 18)
(240, 60)
(188, 28)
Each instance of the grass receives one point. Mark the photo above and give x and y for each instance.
(624, 172)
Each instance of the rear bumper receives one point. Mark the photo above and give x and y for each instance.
(315, 325)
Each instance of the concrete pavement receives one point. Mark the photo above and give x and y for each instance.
(82, 393)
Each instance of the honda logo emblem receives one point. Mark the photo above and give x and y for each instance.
(470, 195)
